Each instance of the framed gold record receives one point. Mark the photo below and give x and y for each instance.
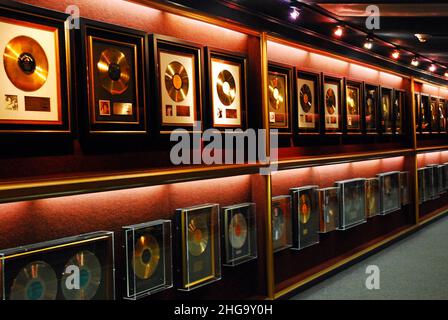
(280, 100)
(113, 79)
(353, 109)
(226, 89)
(35, 70)
(178, 70)
(199, 246)
(308, 109)
(332, 93)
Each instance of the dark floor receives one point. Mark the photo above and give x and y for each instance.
(414, 268)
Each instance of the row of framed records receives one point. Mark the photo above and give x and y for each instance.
(432, 182)
(83, 267)
(120, 72)
(431, 114)
(308, 211)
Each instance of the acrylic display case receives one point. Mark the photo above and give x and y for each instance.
(328, 209)
(352, 195)
(390, 192)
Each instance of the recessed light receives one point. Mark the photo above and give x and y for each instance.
(432, 68)
(368, 44)
(294, 13)
(415, 62)
(396, 54)
(338, 31)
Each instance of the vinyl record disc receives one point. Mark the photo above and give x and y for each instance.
(276, 93)
(176, 81)
(306, 99)
(238, 231)
(304, 208)
(278, 225)
(37, 281)
(330, 101)
(198, 235)
(226, 88)
(146, 256)
(114, 71)
(26, 63)
(90, 276)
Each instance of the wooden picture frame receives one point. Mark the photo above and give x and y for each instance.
(113, 87)
(36, 91)
(308, 81)
(223, 106)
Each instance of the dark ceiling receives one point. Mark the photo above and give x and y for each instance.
(399, 21)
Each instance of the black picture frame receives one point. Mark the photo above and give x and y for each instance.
(385, 110)
(33, 17)
(353, 123)
(434, 115)
(133, 117)
(371, 123)
(329, 127)
(286, 71)
(399, 111)
(228, 57)
(174, 46)
(302, 75)
(425, 114)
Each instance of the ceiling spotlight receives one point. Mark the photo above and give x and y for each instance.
(396, 54)
(415, 62)
(422, 37)
(338, 31)
(446, 74)
(294, 13)
(432, 68)
(368, 44)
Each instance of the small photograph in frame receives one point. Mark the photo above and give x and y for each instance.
(442, 116)
(35, 77)
(353, 110)
(332, 97)
(386, 110)
(371, 98)
(398, 107)
(308, 110)
(425, 113)
(113, 78)
(200, 262)
(280, 99)
(178, 79)
(281, 223)
(239, 233)
(435, 117)
(227, 89)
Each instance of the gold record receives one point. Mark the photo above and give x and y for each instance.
(26, 63)
(305, 208)
(176, 81)
(276, 93)
(226, 88)
(90, 276)
(198, 235)
(37, 281)
(146, 256)
(114, 71)
(330, 101)
(238, 231)
(306, 98)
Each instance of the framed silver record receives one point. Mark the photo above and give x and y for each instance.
(148, 258)
(328, 199)
(240, 235)
(305, 217)
(352, 195)
(390, 192)
(74, 268)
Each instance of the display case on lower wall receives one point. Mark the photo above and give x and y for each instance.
(354, 229)
(152, 223)
(432, 183)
